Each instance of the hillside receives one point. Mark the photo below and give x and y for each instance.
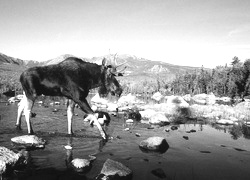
(138, 69)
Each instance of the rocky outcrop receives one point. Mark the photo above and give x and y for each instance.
(114, 170)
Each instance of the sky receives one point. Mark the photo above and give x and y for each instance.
(181, 32)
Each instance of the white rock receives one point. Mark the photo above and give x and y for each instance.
(125, 108)
(187, 97)
(155, 144)
(210, 99)
(29, 141)
(99, 100)
(129, 121)
(8, 158)
(148, 113)
(112, 107)
(177, 101)
(68, 147)
(157, 96)
(116, 169)
(159, 119)
(80, 163)
(94, 107)
(125, 100)
(225, 122)
(57, 103)
(40, 102)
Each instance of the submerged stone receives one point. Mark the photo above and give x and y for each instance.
(81, 165)
(113, 170)
(158, 144)
(28, 142)
(159, 173)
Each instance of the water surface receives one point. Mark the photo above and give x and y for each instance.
(207, 152)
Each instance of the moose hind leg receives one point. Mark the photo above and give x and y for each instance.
(27, 112)
(70, 113)
(21, 106)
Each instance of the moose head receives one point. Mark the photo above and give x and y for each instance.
(109, 81)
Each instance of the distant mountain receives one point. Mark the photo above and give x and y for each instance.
(4, 59)
(56, 60)
(143, 68)
(10, 60)
(138, 69)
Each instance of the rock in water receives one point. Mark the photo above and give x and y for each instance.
(159, 173)
(8, 158)
(113, 170)
(159, 119)
(158, 144)
(28, 142)
(81, 165)
(225, 122)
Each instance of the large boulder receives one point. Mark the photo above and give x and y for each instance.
(176, 101)
(177, 106)
(158, 144)
(29, 142)
(159, 119)
(114, 170)
(8, 159)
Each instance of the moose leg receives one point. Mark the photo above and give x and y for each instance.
(27, 112)
(86, 108)
(20, 109)
(70, 113)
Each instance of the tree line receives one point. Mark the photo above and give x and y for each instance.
(232, 81)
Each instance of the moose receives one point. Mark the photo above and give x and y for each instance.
(72, 78)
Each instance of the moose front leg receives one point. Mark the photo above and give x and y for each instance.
(87, 109)
(70, 114)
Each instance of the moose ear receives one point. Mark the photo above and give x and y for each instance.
(104, 62)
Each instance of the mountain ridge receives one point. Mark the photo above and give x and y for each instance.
(138, 68)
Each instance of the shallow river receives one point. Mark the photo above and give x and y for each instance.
(211, 152)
